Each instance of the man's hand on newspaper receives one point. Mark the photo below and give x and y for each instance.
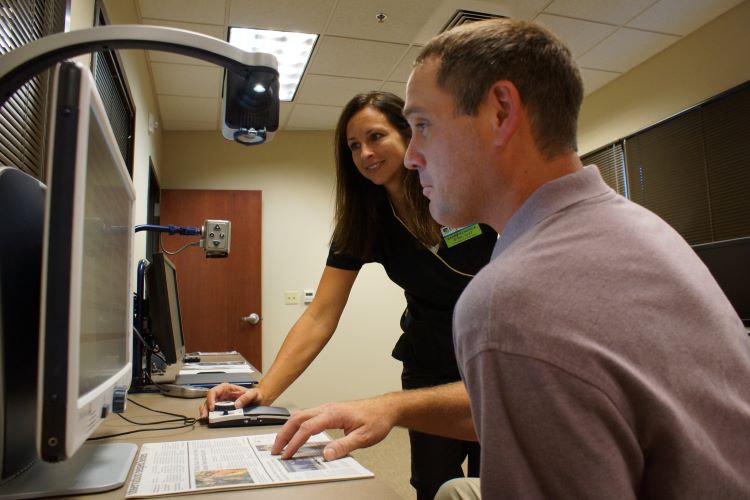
(365, 423)
(230, 392)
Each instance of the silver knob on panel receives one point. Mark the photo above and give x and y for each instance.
(251, 318)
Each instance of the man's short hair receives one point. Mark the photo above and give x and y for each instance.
(474, 56)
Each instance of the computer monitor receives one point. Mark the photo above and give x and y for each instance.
(729, 263)
(22, 208)
(85, 305)
(165, 320)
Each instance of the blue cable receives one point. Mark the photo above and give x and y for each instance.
(188, 231)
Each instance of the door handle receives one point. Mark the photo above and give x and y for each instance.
(251, 318)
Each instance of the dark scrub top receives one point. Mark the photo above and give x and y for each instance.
(432, 283)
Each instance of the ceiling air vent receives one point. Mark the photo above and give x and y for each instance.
(468, 16)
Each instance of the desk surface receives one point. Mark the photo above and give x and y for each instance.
(365, 489)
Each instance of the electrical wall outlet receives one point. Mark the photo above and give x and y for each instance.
(308, 295)
(291, 297)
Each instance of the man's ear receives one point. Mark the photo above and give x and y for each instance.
(505, 104)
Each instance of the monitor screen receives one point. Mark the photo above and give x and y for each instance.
(729, 263)
(86, 299)
(165, 321)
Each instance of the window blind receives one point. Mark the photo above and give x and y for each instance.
(667, 174)
(726, 125)
(611, 163)
(112, 87)
(23, 117)
(693, 170)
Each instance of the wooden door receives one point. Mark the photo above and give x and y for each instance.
(216, 293)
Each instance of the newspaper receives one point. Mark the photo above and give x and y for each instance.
(216, 367)
(232, 463)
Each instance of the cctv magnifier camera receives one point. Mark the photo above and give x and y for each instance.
(251, 106)
(250, 111)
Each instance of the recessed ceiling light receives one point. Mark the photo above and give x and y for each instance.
(292, 50)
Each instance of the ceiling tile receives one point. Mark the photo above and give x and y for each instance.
(206, 29)
(189, 109)
(578, 35)
(313, 117)
(403, 70)
(606, 11)
(357, 19)
(302, 16)
(397, 88)
(356, 54)
(680, 17)
(187, 80)
(191, 11)
(332, 91)
(355, 58)
(625, 49)
(285, 109)
(593, 79)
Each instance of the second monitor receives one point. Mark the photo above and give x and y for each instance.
(166, 329)
(165, 320)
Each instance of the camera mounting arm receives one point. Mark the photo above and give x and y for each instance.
(251, 84)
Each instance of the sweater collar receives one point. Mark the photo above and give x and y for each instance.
(549, 199)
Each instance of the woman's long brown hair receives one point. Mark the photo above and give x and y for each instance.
(362, 205)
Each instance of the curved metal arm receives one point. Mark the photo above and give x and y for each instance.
(22, 63)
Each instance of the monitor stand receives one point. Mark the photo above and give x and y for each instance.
(92, 469)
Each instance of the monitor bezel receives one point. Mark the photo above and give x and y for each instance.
(21, 206)
(65, 418)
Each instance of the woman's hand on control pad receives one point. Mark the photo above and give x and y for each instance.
(229, 392)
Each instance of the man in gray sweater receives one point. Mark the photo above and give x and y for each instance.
(600, 358)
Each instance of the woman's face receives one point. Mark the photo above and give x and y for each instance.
(377, 147)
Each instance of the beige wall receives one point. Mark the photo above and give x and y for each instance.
(295, 173)
(139, 82)
(703, 64)
(81, 17)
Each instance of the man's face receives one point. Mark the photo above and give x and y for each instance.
(445, 148)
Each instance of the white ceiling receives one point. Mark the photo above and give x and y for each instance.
(356, 53)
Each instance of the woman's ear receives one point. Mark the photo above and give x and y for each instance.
(505, 105)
